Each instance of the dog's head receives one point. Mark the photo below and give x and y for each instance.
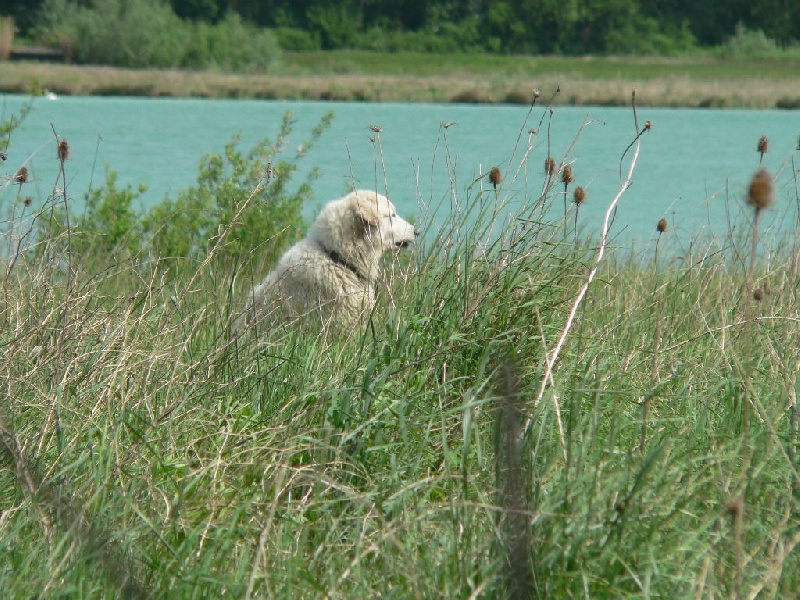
(359, 228)
(379, 221)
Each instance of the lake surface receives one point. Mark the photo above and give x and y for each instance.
(693, 168)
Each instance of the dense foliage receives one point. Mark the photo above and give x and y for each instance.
(244, 206)
(179, 33)
(147, 33)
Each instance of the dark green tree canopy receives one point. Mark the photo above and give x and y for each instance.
(535, 26)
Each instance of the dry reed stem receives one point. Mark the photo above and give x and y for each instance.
(551, 360)
(661, 227)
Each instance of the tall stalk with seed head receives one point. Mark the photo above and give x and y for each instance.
(661, 227)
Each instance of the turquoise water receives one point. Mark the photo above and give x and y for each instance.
(693, 168)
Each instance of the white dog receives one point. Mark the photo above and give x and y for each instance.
(331, 274)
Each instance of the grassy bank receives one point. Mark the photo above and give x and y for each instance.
(524, 416)
(372, 77)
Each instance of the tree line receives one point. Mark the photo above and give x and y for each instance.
(502, 26)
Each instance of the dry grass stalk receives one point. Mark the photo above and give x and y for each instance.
(655, 378)
(604, 233)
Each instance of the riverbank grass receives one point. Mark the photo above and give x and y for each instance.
(408, 77)
(524, 415)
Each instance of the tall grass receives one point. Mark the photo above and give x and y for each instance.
(478, 438)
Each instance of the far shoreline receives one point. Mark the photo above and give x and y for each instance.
(672, 90)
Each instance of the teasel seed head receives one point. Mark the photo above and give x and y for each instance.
(21, 176)
(566, 175)
(758, 294)
(28, 200)
(579, 195)
(760, 193)
(661, 226)
(549, 166)
(63, 150)
(763, 145)
(495, 176)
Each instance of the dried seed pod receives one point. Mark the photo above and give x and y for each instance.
(495, 176)
(567, 176)
(549, 166)
(63, 150)
(21, 176)
(763, 145)
(579, 195)
(760, 194)
(661, 226)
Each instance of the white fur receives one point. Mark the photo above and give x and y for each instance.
(331, 273)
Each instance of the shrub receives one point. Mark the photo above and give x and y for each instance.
(139, 33)
(749, 43)
(336, 26)
(293, 39)
(246, 195)
(108, 230)
(231, 45)
(147, 33)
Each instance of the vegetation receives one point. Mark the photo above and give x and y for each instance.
(245, 198)
(246, 34)
(702, 54)
(147, 33)
(353, 76)
(525, 415)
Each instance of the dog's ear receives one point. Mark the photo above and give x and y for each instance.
(367, 209)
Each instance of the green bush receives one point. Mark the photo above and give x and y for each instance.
(242, 207)
(336, 25)
(377, 40)
(107, 230)
(230, 45)
(750, 43)
(139, 33)
(293, 39)
(147, 33)
(646, 36)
